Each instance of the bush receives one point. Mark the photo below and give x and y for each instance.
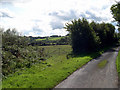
(16, 54)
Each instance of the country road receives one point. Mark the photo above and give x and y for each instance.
(92, 76)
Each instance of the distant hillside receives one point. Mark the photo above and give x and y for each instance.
(50, 38)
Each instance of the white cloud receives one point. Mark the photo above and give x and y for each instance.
(47, 17)
(6, 13)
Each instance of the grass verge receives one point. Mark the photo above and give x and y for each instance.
(45, 75)
(49, 73)
(118, 66)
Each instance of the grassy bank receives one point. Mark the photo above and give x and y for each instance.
(118, 64)
(49, 72)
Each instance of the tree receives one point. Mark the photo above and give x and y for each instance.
(115, 10)
(110, 34)
(12, 37)
(105, 31)
(83, 37)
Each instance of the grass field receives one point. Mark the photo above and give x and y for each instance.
(49, 72)
(118, 64)
(40, 39)
(50, 39)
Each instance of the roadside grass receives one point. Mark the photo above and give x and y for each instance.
(102, 64)
(118, 64)
(50, 72)
(46, 74)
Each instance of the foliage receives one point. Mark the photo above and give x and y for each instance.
(12, 37)
(106, 33)
(88, 37)
(82, 35)
(115, 10)
(16, 54)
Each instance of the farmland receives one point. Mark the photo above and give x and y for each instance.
(50, 38)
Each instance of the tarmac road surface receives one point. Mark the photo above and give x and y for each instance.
(92, 76)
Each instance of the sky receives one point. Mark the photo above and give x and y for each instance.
(48, 17)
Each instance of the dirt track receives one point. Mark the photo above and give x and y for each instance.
(92, 76)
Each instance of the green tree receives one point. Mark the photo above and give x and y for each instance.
(105, 31)
(115, 10)
(110, 34)
(12, 37)
(83, 37)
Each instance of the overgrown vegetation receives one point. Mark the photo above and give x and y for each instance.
(16, 54)
(50, 72)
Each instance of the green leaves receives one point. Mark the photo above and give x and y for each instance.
(87, 37)
(16, 54)
(115, 10)
(83, 36)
